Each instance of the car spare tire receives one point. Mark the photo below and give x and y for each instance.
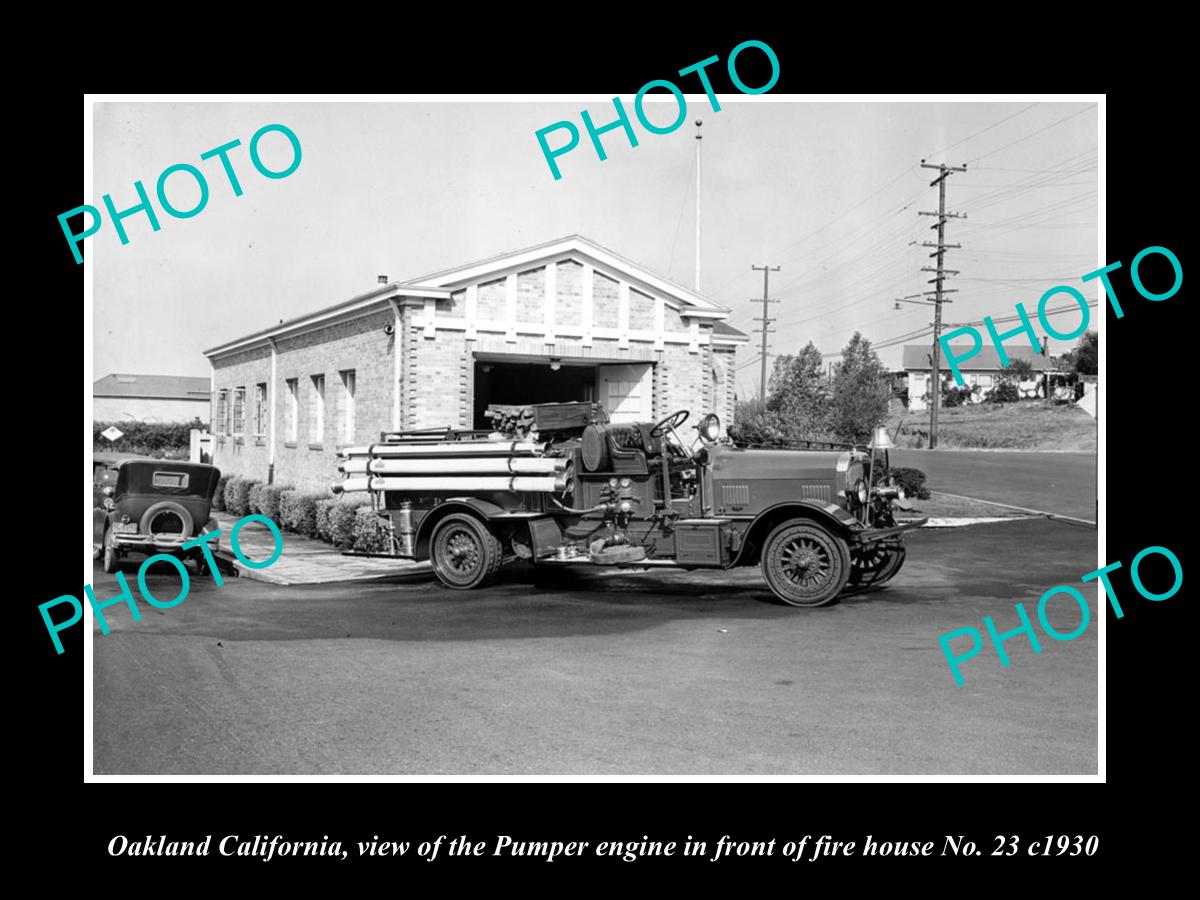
(167, 519)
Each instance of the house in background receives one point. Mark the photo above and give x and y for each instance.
(150, 398)
(981, 372)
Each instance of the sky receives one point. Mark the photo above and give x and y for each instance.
(829, 192)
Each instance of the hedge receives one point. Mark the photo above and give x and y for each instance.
(372, 532)
(342, 518)
(269, 500)
(298, 512)
(324, 509)
(254, 500)
(237, 495)
(219, 496)
(146, 437)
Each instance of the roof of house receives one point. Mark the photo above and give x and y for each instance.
(720, 329)
(918, 357)
(158, 387)
(441, 284)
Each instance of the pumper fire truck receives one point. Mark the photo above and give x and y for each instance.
(567, 487)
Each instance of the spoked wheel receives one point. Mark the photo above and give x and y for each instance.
(464, 553)
(872, 565)
(111, 557)
(804, 564)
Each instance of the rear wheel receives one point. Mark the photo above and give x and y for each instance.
(805, 564)
(464, 553)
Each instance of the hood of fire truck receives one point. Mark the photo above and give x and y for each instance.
(749, 465)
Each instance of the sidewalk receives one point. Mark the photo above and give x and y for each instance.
(305, 560)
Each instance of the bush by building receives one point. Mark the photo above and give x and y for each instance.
(372, 532)
(237, 495)
(269, 500)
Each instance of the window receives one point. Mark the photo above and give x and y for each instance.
(316, 418)
(239, 410)
(260, 408)
(169, 479)
(293, 409)
(347, 429)
(222, 411)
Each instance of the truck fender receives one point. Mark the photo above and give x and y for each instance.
(832, 516)
(479, 508)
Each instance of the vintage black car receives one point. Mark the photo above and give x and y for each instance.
(586, 491)
(152, 506)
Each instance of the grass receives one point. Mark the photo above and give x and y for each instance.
(1024, 425)
(944, 506)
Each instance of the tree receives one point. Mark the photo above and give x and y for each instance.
(798, 391)
(1018, 370)
(1084, 359)
(860, 392)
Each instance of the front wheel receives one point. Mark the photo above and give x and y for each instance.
(464, 553)
(874, 564)
(804, 564)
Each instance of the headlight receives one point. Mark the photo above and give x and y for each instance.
(900, 492)
(860, 491)
(710, 428)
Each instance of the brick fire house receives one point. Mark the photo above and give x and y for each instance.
(564, 320)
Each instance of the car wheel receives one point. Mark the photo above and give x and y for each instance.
(873, 564)
(111, 557)
(465, 554)
(804, 564)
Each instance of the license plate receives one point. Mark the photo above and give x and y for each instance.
(125, 527)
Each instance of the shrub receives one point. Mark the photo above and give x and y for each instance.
(372, 532)
(255, 496)
(912, 480)
(956, 396)
(219, 495)
(1004, 392)
(149, 438)
(324, 511)
(342, 520)
(268, 503)
(298, 512)
(237, 495)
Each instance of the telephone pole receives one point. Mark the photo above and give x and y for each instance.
(940, 252)
(766, 322)
(699, 138)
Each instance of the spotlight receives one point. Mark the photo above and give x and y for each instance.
(555, 364)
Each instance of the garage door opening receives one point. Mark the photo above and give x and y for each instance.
(625, 390)
(525, 383)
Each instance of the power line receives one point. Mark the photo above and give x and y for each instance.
(981, 131)
(1019, 140)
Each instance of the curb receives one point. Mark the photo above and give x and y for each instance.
(961, 521)
(267, 576)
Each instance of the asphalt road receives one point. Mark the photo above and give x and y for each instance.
(1053, 482)
(617, 673)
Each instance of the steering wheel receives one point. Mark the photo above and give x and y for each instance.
(671, 422)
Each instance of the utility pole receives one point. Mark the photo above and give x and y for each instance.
(766, 322)
(699, 137)
(940, 252)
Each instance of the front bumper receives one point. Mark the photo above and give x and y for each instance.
(874, 535)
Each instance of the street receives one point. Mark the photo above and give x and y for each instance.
(611, 673)
(1063, 483)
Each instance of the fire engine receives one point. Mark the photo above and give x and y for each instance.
(561, 485)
